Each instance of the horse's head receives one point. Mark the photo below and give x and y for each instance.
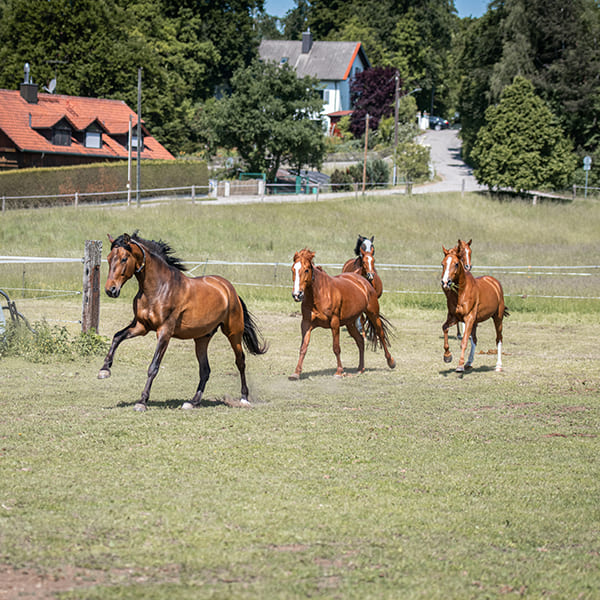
(367, 252)
(302, 273)
(450, 265)
(122, 263)
(464, 253)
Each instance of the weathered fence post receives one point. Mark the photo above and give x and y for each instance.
(90, 316)
(193, 194)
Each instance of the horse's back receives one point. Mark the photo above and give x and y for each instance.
(351, 266)
(211, 301)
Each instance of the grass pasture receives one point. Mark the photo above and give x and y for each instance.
(411, 483)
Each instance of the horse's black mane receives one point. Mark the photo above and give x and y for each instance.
(160, 249)
(359, 243)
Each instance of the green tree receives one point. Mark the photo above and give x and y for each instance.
(521, 146)
(269, 118)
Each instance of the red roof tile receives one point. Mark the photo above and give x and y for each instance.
(21, 120)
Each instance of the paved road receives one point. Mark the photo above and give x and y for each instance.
(445, 154)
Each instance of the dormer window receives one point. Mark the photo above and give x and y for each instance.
(93, 137)
(61, 134)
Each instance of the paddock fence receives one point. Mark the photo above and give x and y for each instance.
(29, 277)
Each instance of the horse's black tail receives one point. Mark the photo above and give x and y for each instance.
(252, 338)
(371, 333)
(506, 313)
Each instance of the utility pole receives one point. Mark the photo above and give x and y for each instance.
(365, 159)
(139, 134)
(396, 110)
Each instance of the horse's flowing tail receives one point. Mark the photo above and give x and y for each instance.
(252, 338)
(371, 333)
(506, 313)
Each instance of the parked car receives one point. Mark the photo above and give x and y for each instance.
(438, 123)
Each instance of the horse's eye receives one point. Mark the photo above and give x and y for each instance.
(124, 260)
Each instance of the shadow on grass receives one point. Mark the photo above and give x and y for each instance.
(176, 403)
(481, 369)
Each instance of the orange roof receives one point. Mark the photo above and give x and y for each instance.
(21, 120)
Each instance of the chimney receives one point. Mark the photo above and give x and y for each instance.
(307, 41)
(29, 91)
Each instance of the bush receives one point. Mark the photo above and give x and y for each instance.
(412, 161)
(46, 342)
(378, 172)
(101, 177)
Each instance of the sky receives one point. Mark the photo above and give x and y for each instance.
(465, 8)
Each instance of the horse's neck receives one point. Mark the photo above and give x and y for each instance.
(321, 282)
(153, 275)
(465, 280)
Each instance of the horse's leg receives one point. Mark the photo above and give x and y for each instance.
(469, 323)
(202, 356)
(458, 332)
(132, 330)
(335, 334)
(164, 336)
(498, 325)
(376, 322)
(240, 361)
(473, 340)
(450, 320)
(360, 342)
(306, 329)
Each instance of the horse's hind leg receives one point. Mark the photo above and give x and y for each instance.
(498, 325)
(202, 356)
(360, 342)
(376, 322)
(240, 362)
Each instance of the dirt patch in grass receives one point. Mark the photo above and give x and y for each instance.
(33, 584)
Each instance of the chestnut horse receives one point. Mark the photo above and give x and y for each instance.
(364, 263)
(175, 305)
(478, 299)
(331, 302)
(463, 249)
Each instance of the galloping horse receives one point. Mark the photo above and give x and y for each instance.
(364, 263)
(331, 302)
(478, 299)
(175, 305)
(463, 249)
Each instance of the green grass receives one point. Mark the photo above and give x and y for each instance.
(414, 483)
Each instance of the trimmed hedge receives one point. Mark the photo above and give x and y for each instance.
(97, 178)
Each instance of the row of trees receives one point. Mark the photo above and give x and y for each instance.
(203, 87)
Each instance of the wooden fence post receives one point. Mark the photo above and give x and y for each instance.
(90, 316)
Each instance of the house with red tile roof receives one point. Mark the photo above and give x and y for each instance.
(335, 64)
(49, 130)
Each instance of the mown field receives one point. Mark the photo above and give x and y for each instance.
(411, 483)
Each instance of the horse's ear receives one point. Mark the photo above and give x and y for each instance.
(372, 239)
(126, 238)
(445, 251)
(469, 242)
(111, 239)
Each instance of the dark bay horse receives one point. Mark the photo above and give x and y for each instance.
(463, 249)
(331, 302)
(478, 299)
(175, 305)
(364, 263)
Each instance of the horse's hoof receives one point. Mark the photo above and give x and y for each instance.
(245, 402)
(469, 367)
(339, 375)
(187, 406)
(392, 363)
(103, 374)
(140, 407)
(498, 369)
(460, 369)
(447, 358)
(294, 377)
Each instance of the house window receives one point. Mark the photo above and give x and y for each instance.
(93, 139)
(61, 135)
(283, 60)
(326, 96)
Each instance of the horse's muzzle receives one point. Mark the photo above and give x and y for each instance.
(113, 291)
(369, 276)
(298, 297)
(446, 285)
